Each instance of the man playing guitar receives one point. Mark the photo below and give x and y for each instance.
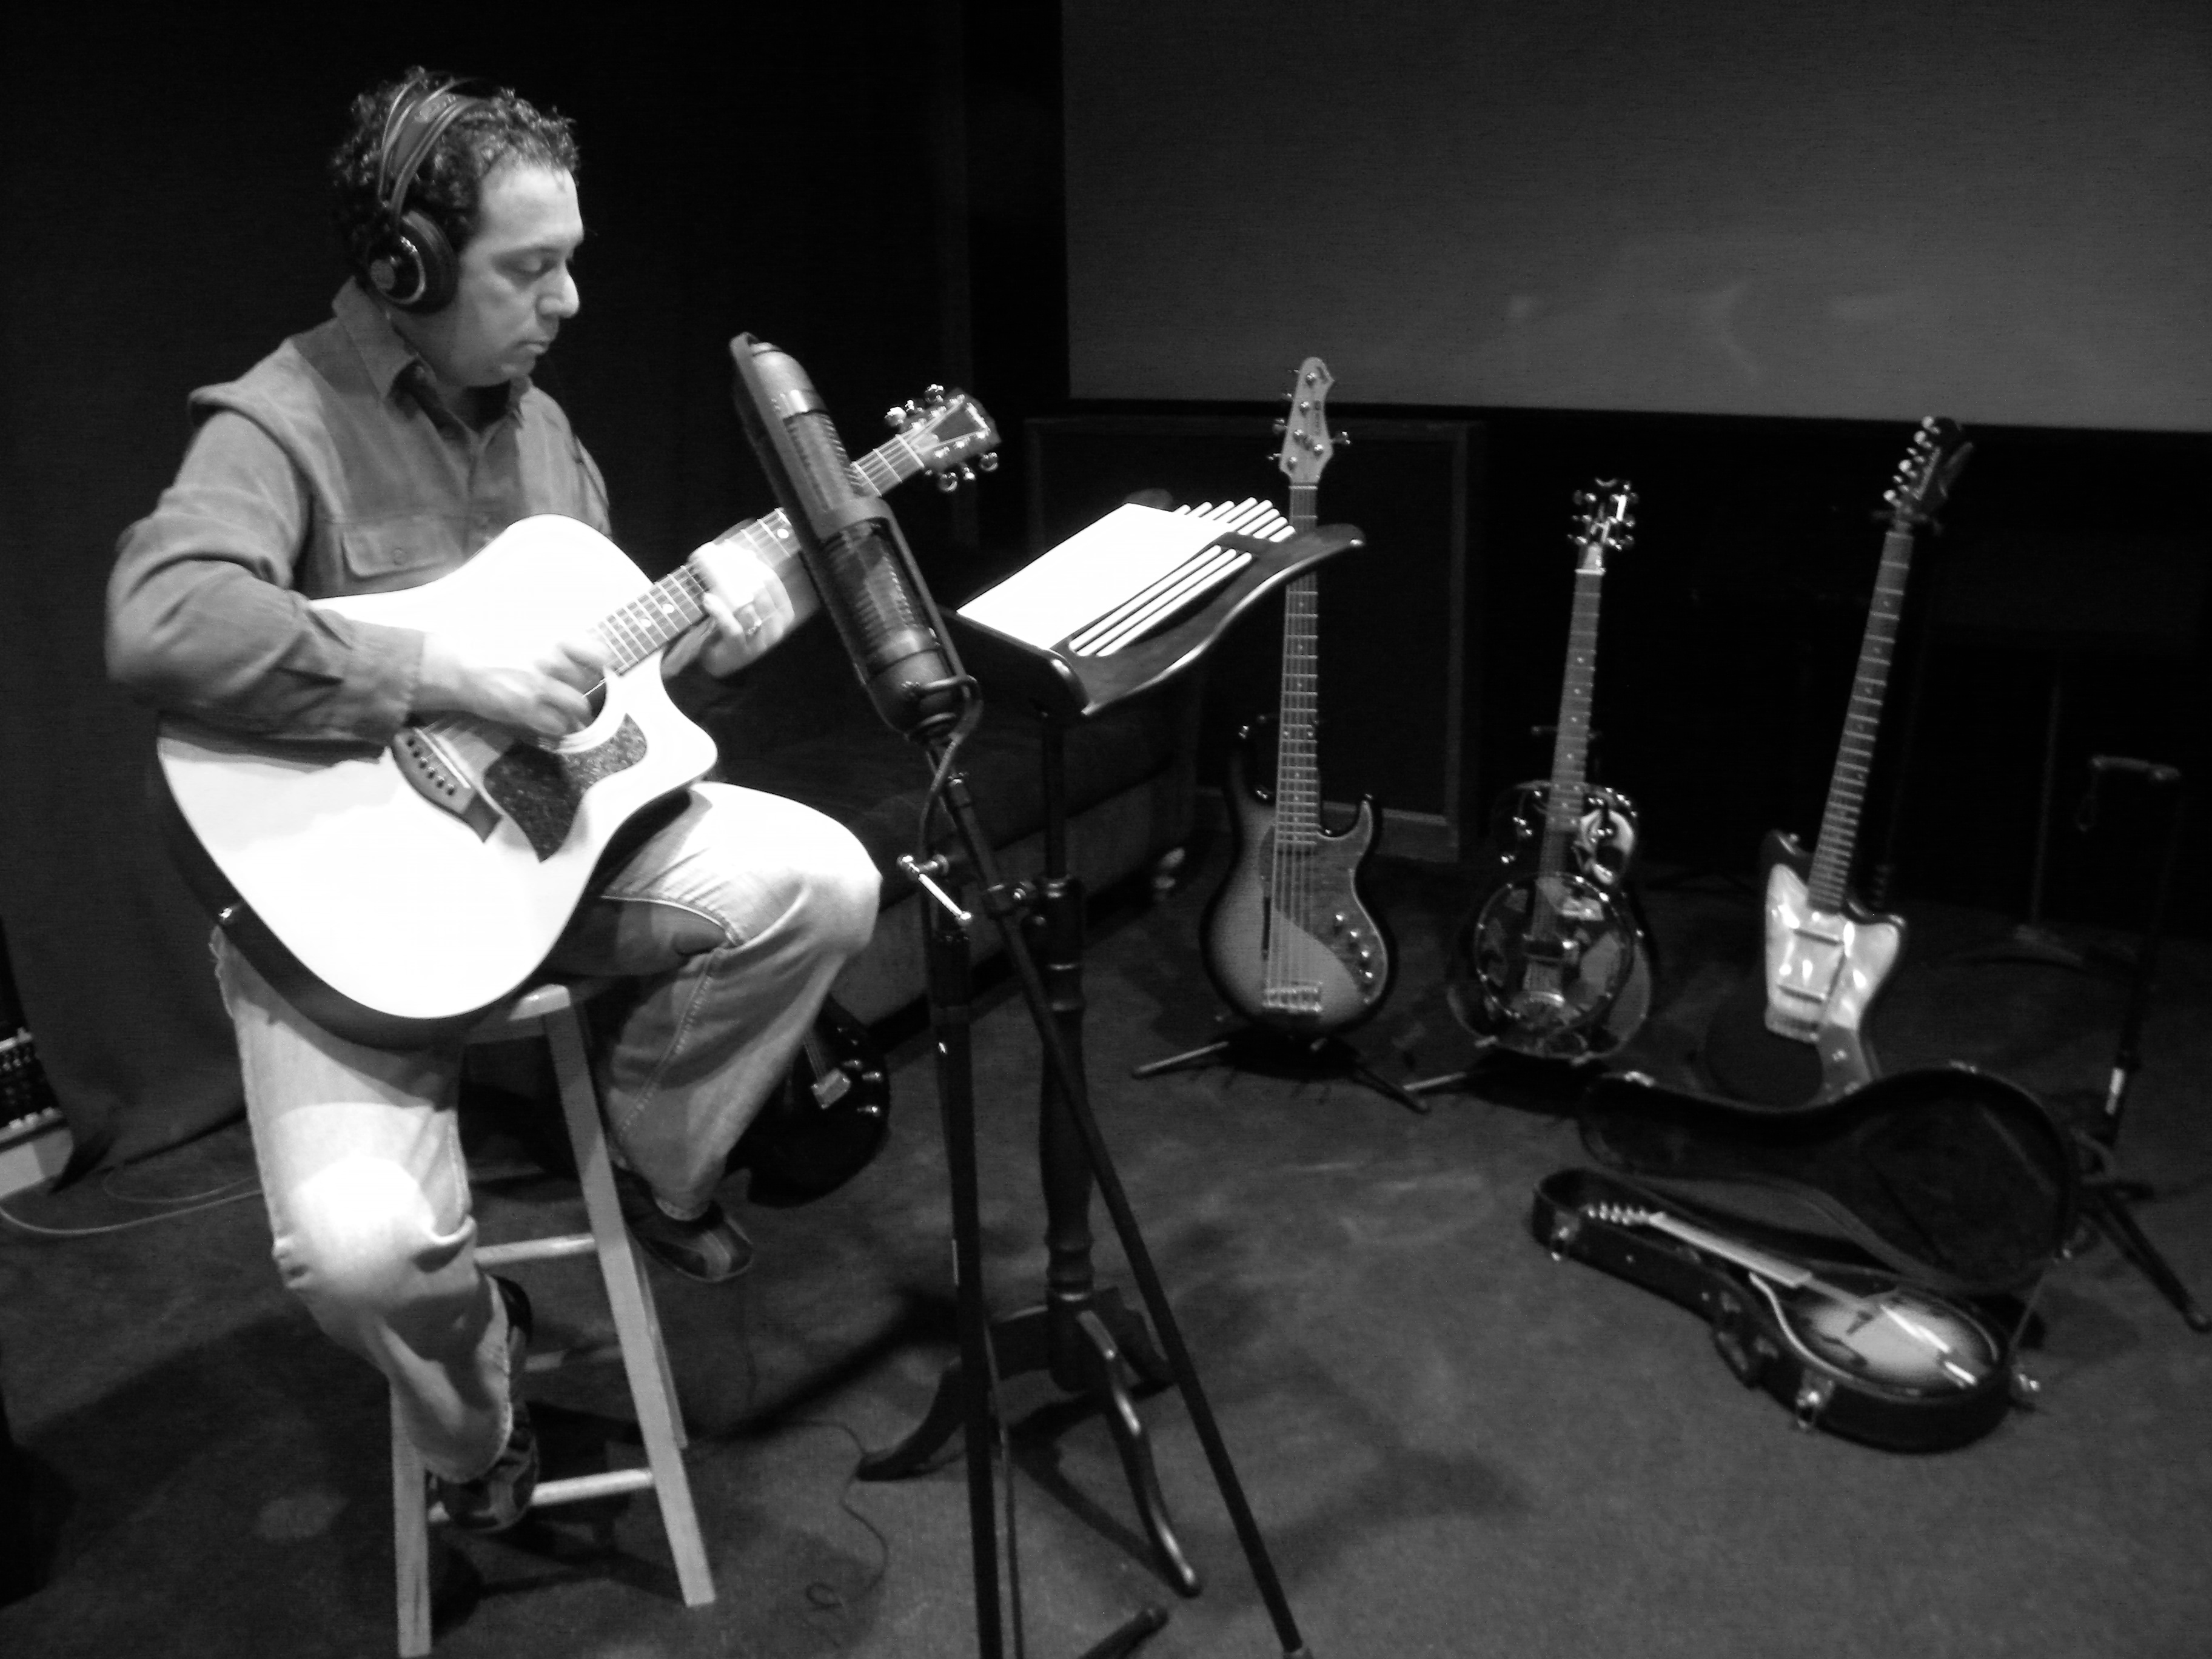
(381, 451)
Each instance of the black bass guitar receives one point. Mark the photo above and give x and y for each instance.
(828, 1121)
(1796, 1034)
(1857, 1351)
(1554, 961)
(1289, 940)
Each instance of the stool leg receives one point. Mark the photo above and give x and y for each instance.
(659, 1348)
(630, 1300)
(411, 1541)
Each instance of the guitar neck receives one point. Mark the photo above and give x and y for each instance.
(1830, 878)
(657, 617)
(1298, 776)
(1787, 1273)
(1571, 749)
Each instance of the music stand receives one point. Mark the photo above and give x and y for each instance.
(1084, 1337)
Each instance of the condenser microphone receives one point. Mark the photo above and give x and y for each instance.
(850, 543)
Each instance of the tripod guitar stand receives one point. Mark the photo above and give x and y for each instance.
(865, 577)
(2106, 1198)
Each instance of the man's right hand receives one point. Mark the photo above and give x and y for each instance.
(542, 690)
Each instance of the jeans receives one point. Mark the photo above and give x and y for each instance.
(729, 924)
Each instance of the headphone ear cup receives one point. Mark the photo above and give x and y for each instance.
(417, 271)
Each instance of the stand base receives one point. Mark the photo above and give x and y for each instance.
(1276, 1054)
(1096, 1349)
(2107, 1205)
(2030, 942)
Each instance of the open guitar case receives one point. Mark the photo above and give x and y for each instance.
(1949, 1183)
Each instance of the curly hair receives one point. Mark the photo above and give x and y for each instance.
(499, 128)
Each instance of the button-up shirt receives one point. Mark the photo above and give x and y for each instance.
(330, 468)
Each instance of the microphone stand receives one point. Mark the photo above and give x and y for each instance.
(949, 703)
(1002, 902)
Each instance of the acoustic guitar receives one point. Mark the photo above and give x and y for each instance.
(1553, 961)
(393, 893)
(1796, 1033)
(1289, 940)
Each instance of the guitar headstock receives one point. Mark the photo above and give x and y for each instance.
(1621, 1215)
(1605, 514)
(1307, 441)
(1925, 476)
(949, 434)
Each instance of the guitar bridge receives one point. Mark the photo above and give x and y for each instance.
(440, 779)
(1292, 999)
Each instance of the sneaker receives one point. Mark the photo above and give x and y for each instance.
(710, 1249)
(500, 1497)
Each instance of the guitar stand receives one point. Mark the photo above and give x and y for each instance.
(2106, 1198)
(1088, 1342)
(1279, 1053)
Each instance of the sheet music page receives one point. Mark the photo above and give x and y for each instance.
(1089, 573)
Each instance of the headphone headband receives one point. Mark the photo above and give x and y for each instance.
(419, 125)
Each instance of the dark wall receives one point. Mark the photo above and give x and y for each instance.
(1732, 629)
(773, 170)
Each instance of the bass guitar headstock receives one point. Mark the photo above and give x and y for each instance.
(951, 435)
(1924, 476)
(1605, 514)
(1307, 441)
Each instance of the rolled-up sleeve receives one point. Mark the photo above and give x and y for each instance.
(203, 621)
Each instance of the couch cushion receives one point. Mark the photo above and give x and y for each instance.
(798, 723)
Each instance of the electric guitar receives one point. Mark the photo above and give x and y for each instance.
(1289, 940)
(1554, 961)
(1796, 1033)
(393, 893)
(828, 1121)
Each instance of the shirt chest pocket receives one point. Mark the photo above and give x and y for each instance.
(397, 552)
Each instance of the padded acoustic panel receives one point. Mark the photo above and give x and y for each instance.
(1396, 645)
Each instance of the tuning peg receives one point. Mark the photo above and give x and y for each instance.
(987, 461)
(894, 417)
(947, 483)
(1343, 439)
(1282, 426)
(933, 395)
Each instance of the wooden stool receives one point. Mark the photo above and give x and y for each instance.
(553, 1012)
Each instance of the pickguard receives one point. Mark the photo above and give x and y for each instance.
(1823, 969)
(540, 789)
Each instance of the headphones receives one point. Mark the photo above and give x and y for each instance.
(416, 267)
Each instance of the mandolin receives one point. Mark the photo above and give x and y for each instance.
(1880, 1331)
(1796, 1033)
(1553, 961)
(1289, 940)
(1858, 1350)
(466, 846)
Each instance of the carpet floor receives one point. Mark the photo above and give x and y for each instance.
(1452, 1443)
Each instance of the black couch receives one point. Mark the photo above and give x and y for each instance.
(797, 723)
